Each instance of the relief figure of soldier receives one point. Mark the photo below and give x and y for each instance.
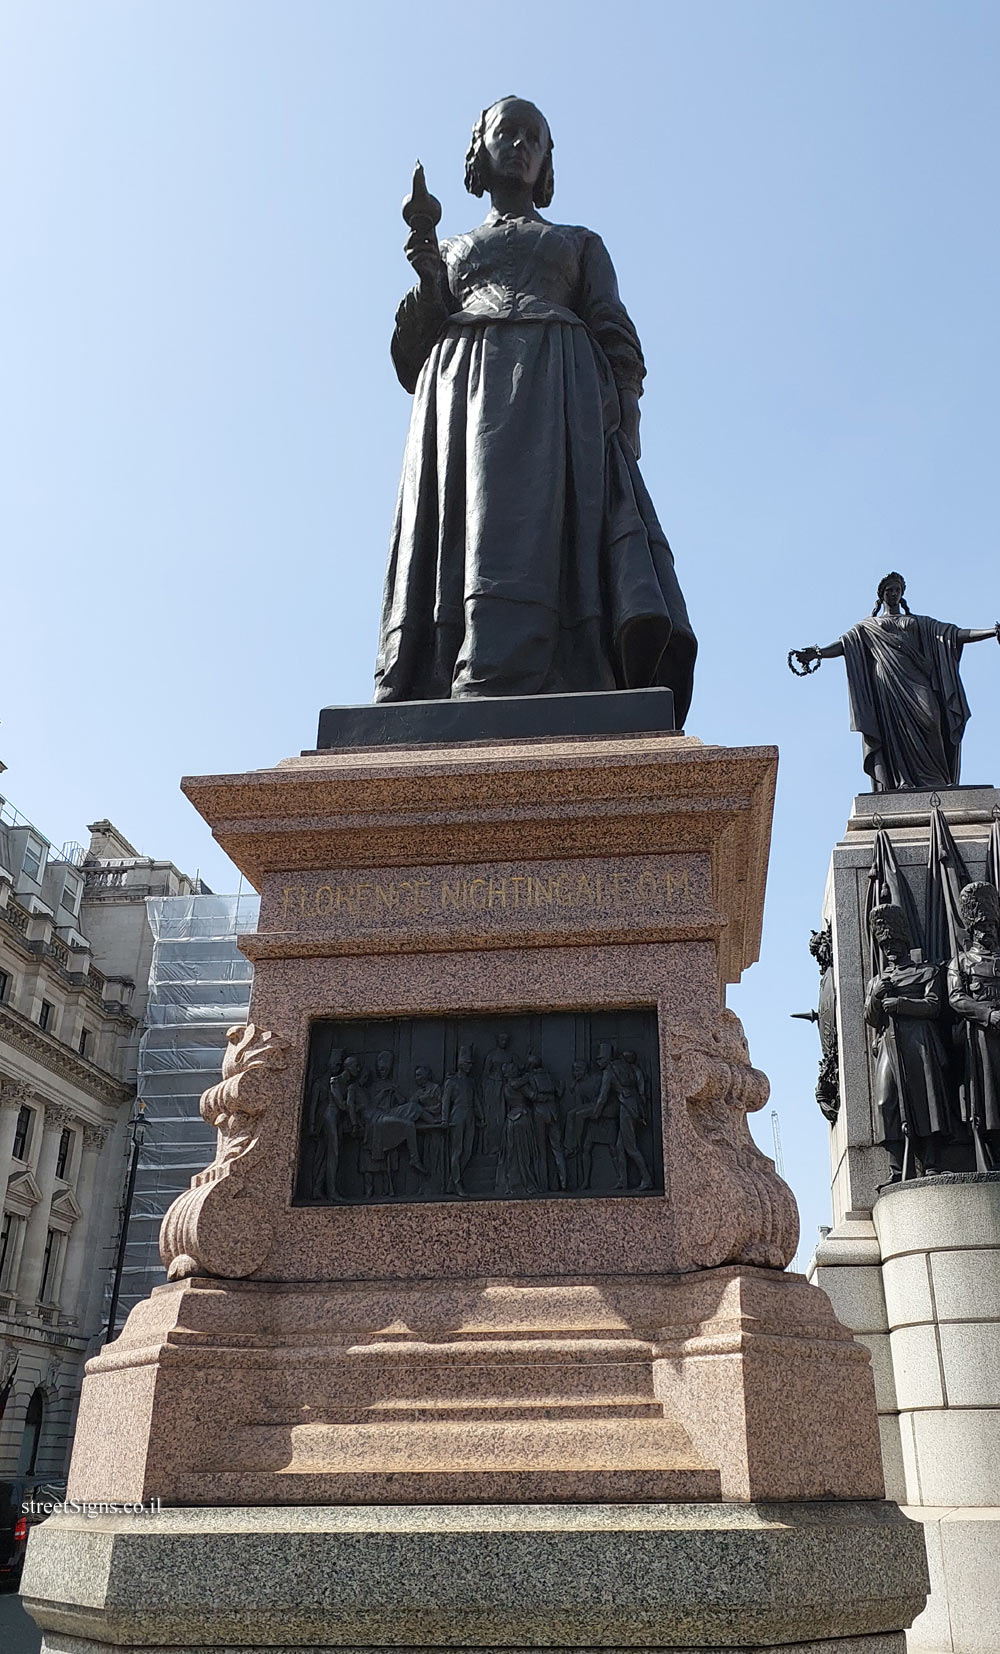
(974, 994)
(903, 1007)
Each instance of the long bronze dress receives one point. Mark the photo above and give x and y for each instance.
(907, 699)
(526, 556)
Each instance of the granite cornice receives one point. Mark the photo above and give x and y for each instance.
(529, 802)
(554, 797)
(21, 1034)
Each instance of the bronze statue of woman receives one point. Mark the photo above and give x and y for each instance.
(526, 556)
(907, 700)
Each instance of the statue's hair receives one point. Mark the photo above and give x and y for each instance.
(881, 592)
(892, 919)
(475, 178)
(980, 904)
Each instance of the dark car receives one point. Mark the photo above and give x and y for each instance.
(15, 1520)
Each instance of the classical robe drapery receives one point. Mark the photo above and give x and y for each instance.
(526, 555)
(907, 700)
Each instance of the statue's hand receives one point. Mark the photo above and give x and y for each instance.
(806, 656)
(425, 257)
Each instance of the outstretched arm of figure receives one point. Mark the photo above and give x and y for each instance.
(979, 634)
(814, 652)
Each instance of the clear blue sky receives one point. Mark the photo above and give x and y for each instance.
(200, 431)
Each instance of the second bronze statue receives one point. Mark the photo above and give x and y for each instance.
(526, 556)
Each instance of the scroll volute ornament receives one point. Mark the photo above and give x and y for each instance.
(217, 1227)
(732, 1206)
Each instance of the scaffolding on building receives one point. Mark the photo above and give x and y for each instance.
(199, 985)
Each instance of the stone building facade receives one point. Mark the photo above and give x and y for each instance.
(74, 956)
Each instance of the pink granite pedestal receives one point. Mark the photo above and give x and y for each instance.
(542, 1351)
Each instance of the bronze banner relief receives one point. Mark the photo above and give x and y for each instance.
(481, 1107)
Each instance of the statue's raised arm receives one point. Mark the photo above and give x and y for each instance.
(526, 556)
(907, 700)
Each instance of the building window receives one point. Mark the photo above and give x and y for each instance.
(70, 898)
(21, 1131)
(31, 863)
(45, 1014)
(9, 1241)
(47, 1261)
(65, 1144)
(4, 985)
(33, 1420)
(84, 1041)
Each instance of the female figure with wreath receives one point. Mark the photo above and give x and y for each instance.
(907, 700)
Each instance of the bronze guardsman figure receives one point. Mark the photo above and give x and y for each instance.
(526, 556)
(974, 995)
(907, 700)
(903, 1006)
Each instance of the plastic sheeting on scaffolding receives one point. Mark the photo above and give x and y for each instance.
(199, 985)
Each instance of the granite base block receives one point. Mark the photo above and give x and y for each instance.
(720, 1384)
(891, 1643)
(822, 1577)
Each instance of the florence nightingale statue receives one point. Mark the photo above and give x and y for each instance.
(526, 557)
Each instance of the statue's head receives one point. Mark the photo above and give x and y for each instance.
(421, 1074)
(383, 1064)
(821, 947)
(605, 1052)
(579, 1068)
(465, 1059)
(979, 905)
(890, 593)
(890, 929)
(511, 140)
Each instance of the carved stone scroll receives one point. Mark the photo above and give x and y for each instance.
(730, 1204)
(215, 1227)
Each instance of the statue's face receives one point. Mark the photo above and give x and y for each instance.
(516, 140)
(893, 945)
(891, 593)
(384, 1064)
(579, 1070)
(421, 1075)
(465, 1066)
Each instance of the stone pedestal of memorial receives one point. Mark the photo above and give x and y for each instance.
(477, 1332)
(911, 1269)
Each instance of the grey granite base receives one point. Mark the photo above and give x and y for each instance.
(823, 1578)
(891, 1643)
